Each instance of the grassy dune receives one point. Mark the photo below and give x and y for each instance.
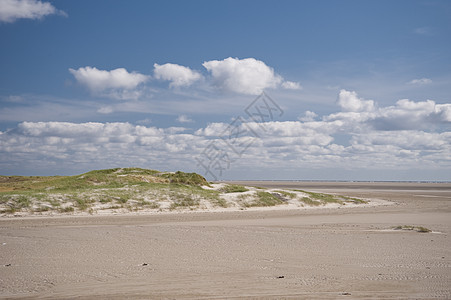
(130, 188)
(135, 189)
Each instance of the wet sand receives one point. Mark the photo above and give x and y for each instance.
(309, 254)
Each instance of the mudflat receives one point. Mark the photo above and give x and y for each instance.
(332, 253)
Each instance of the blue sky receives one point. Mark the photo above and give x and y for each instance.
(363, 88)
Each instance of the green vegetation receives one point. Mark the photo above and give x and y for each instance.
(324, 198)
(185, 178)
(259, 188)
(263, 199)
(310, 202)
(184, 201)
(316, 199)
(66, 209)
(286, 194)
(220, 202)
(149, 204)
(355, 200)
(413, 228)
(18, 203)
(233, 188)
(135, 189)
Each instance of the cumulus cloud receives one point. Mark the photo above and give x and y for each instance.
(406, 135)
(349, 101)
(308, 116)
(118, 83)
(11, 10)
(245, 76)
(98, 80)
(289, 144)
(407, 114)
(95, 145)
(420, 81)
(404, 115)
(176, 74)
(282, 144)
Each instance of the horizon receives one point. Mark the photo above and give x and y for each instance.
(352, 91)
(263, 180)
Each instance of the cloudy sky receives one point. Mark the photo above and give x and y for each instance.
(302, 90)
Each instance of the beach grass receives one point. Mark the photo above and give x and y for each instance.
(310, 202)
(315, 199)
(262, 199)
(233, 188)
(286, 194)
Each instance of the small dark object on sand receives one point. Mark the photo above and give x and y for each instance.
(346, 294)
(144, 264)
(8, 265)
(281, 276)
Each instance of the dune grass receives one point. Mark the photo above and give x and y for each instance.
(233, 188)
(220, 202)
(310, 202)
(185, 178)
(324, 198)
(316, 199)
(286, 194)
(262, 199)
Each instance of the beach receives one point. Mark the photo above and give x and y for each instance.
(329, 253)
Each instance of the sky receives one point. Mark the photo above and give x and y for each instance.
(271, 90)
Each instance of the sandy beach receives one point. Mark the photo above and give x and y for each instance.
(332, 253)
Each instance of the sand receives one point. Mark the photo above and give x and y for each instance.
(345, 253)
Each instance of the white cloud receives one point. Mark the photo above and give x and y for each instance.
(443, 112)
(245, 76)
(410, 140)
(289, 144)
(405, 115)
(98, 80)
(96, 145)
(420, 81)
(350, 102)
(176, 74)
(11, 10)
(184, 119)
(290, 85)
(117, 83)
(309, 116)
(407, 135)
